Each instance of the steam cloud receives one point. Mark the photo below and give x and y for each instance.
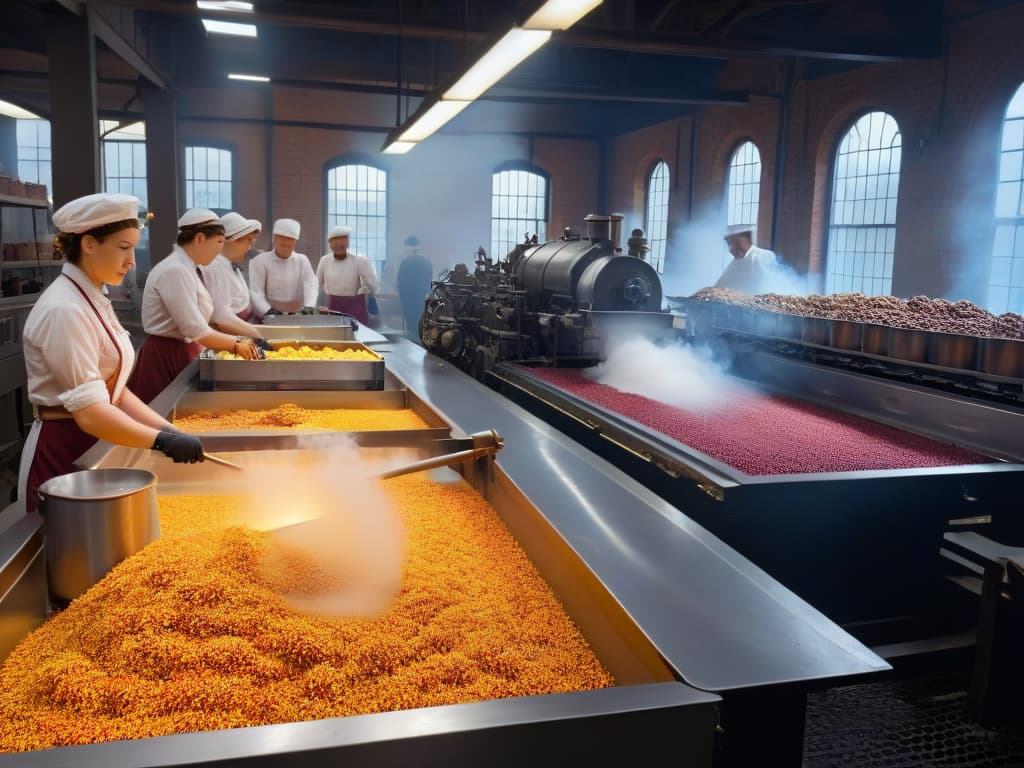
(337, 545)
(678, 375)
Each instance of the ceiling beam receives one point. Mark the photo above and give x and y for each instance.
(650, 42)
(115, 42)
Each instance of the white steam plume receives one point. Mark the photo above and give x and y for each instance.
(678, 375)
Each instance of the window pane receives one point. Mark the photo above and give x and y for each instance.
(863, 207)
(519, 205)
(743, 190)
(356, 198)
(209, 168)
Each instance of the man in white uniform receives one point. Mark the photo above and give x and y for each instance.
(346, 278)
(282, 281)
(751, 268)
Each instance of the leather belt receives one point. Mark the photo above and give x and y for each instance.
(52, 412)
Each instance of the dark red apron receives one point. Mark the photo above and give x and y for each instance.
(352, 305)
(61, 440)
(160, 360)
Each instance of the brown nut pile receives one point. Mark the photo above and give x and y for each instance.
(919, 313)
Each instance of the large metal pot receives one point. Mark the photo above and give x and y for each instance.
(93, 520)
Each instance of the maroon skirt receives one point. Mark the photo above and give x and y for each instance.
(352, 305)
(61, 441)
(159, 361)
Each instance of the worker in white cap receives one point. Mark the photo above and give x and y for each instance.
(751, 269)
(282, 281)
(177, 309)
(78, 356)
(225, 282)
(347, 278)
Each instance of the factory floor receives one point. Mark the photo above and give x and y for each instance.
(907, 722)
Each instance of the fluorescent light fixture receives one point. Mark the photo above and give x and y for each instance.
(234, 6)
(13, 110)
(215, 27)
(398, 147)
(432, 119)
(560, 14)
(503, 57)
(250, 78)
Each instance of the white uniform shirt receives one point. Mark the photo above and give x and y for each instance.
(68, 354)
(751, 274)
(226, 287)
(350, 276)
(174, 303)
(281, 281)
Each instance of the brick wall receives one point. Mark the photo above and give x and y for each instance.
(949, 112)
(440, 192)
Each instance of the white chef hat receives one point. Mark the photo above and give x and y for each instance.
(287, 228)
(236, 225)
(739, 229)
(257, 225)
(93, 211)
(339, 231)
(197, 216)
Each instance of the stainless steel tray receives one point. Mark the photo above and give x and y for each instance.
(319, 321)
(292, 374)
(308, 332)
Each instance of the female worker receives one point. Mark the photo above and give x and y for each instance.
(224, 280)
(177, 308)
(78, 356)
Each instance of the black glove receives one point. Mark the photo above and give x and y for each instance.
(371, 305)
(181, 448)
(308, 311)
(271, 312)
(263, 344)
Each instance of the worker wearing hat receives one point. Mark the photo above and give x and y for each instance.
(282, 281)
(232, 306)
(751, 269)
(78, 356)
(177, 309)
(347, 279)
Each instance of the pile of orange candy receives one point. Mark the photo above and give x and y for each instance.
(192, 634)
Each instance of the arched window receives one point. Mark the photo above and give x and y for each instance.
(1006, 274)
(357, 197)
(34, 160)
(656, 220)
(519, 207)
(124, 170)
(208, 175)
(862, 227)
(743, 189)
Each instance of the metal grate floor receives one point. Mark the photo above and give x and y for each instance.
(903, 724)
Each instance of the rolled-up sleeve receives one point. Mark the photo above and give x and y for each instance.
(178, 292)
(369, 277)
(71, 352)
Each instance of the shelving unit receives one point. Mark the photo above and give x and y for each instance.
(24, 222)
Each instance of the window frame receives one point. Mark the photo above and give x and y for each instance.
(36, 161)
(223, 146)
(520, 165)
(829, 224)
(1015, 223)
(726, 256)
(649, 177)
(359, 158)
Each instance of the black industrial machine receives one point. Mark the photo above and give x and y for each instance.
(545, 302)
